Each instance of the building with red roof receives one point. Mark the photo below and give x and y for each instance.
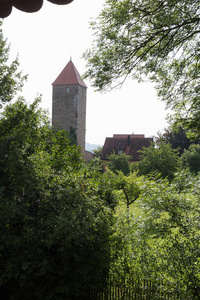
(129, 144)
(69, 76)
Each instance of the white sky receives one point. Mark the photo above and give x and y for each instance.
(45, 40)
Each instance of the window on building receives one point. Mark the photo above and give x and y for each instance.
(120, 152)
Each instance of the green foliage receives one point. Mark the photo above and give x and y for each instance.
(97, 152)
(95, 166)
(173, 227)
(58, 234)
(162, 160)
(19, 139)
(119, 163)
(191, 159)
(178, 139)
(53, 212)
(11, 80)
(129, 185)
(72, 136)
(154, 39)
(161, 242)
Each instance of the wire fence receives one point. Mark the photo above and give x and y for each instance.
(137, 289)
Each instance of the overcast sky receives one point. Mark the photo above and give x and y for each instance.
(46, 40)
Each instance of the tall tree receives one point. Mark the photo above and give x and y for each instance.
(53, 212)
(158, 39)
(11, 79)
(178, 139)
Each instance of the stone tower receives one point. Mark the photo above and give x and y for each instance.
(69, 103)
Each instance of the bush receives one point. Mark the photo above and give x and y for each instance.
(119, 163)
(191, 159)
(162, 160)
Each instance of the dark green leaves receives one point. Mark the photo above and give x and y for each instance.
(55, 217)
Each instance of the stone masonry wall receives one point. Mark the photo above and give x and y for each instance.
(69, 110)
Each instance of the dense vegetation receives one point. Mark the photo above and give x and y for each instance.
(157, 226)
(65, 226)
(56, 215)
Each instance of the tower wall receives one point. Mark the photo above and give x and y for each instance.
(69, 110)
(81, 128)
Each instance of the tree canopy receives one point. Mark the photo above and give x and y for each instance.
(191, 159)
(155, 39)
(162, 160)
(11, 79)
(54, 211)
(119, 163)
(178, 139)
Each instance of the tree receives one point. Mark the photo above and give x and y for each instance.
(162, 160)
(130, 185)
(172, 228)
(160, 240)
(178, 139)
(97, 152)
(119, 163)
(157, 39)
(191, 159)
(11, 80)
(53, 212)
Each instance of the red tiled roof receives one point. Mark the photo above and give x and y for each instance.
(129, 144)
(69, 75)
(25, 5)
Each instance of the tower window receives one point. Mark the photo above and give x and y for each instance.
(67, 90)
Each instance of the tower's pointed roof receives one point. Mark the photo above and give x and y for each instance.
(69, 75)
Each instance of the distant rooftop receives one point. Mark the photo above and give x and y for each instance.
(69, 75)
(129, 144)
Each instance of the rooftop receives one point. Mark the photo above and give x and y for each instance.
(69, 75)
(125, 143)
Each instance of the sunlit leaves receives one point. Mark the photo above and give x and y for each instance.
(11, 79)
(191, 159)
(161, 237)
(161, 160)
(154, 39)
